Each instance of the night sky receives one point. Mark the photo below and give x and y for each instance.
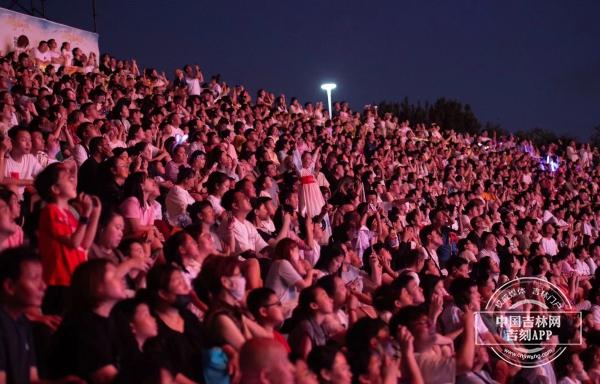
(522, 64)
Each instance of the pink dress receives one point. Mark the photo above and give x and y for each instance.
(311, 198)
(131, 209)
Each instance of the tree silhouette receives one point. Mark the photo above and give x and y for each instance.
(448, 114)
(595, 138)
(452, 114)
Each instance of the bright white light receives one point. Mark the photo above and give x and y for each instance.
(328, 86)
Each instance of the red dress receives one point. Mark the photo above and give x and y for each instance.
(58, 259)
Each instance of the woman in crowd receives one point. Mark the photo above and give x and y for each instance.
(180, 337)
(309, 316)
(222, 284)
(110, 233)
(179, 159)
(197, 162)
(331, 259)
(134, 326)
(183, 251)
(216, 185)
(137, 210)
(84, 345)
(288, 274)
(203, 215)
(17, 238)
(178, 199)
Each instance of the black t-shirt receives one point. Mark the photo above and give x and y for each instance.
(110, 193)
(77, 62)
(17, 353)
(83, 343)
(213, 335)
(475, 239)
(88, 177)
(106, 70)
(503, 251)
(399, 254)
(42, 338)
(181, 351)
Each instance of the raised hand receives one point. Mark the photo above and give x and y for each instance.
(406, 340)
(351, 302)
(86, 204)
(142, 265)
(390, 369)
(437, 304)
(96, 204)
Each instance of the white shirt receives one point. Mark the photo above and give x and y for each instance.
(68, 57)
(216, 204)
(312, 255)
(587, 229)
(481, 377)
(53, 54)
(568, 380)
(247, 237)
(282, 278)
(322, 180)
(13, 121)
(412, 273)
(572, 153)
(363, 241)
(549, 246)
(157, 210)
(26, 169)
(541, 374)
(41, 56)
(176, 131)
(80, 154)
(432, 254)
(451, 320)
(193, 85)
(117, 144)
(549, 217)
(582, 267)
(177, 202)
(267, 226)
(232, 152)
(216, 88)
(592, 264)
(437, 365)
(596, 313)
(492, 254)
(193, 268)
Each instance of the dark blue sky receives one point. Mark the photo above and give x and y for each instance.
(518, 63)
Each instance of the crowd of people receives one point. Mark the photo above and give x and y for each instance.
(158, 230)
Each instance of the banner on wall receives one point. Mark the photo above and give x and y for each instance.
(14, 24)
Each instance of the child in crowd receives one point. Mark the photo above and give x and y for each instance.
(65, 232)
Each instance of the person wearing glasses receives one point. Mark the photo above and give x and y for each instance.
(266, 308)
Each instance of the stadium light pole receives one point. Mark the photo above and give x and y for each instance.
(328, 87)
